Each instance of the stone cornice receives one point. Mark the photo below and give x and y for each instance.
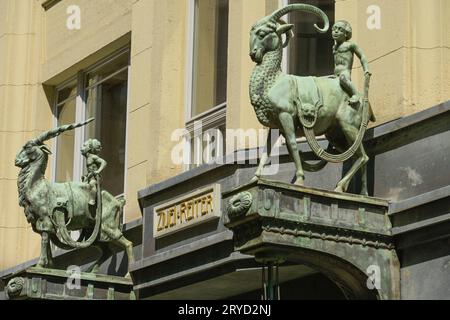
(333, 234)
(254, 227)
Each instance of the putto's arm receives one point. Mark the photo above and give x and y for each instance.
(102, 163)
(362, 57)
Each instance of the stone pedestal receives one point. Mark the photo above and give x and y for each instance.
(346, 237)
(50, 284)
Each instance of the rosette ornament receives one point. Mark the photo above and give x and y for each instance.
(239, 205)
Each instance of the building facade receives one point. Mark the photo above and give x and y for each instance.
(150, 71)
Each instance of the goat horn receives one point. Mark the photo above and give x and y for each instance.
(306, 8)
(56, 132)
(288, 36)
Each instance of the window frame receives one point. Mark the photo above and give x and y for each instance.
(80, 79)
(216, 115)
(285, 61)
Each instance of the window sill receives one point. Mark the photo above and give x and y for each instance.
(207, 114)
(210, 119)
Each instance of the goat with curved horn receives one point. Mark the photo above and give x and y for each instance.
(56, 132)
(277, 15)
(55, 209)
(313, 106)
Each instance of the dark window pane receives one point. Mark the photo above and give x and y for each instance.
(107, 69)
(65, 143)
(107, 102)
(210, 55)
(222, 53)
(68, 92)
(311, 53)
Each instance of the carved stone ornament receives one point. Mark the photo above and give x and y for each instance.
(15, 287)
(239, 205)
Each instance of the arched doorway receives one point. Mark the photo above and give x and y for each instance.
(298, 282)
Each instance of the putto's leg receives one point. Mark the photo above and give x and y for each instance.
(349, 88)
(93, 192)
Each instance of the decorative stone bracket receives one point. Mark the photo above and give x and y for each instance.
(48, 284)
(346, 237)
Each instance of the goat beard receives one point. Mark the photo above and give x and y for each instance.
(258, 56)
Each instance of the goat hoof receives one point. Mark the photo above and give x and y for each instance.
(41, 264)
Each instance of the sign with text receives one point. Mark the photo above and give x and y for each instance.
(187, 211)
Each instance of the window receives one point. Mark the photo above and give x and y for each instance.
(100, 92)
(207, 75)
(311, 53)
(66, 114)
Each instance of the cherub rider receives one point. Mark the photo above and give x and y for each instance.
(95, 165)
(344, 51)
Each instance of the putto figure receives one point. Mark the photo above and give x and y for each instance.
(95, 165)
(344, 52)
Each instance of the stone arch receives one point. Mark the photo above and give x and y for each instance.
(348, 277)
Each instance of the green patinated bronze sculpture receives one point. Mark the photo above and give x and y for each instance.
(344, 52)
(95, 165)
(55, 209)
(313, 105)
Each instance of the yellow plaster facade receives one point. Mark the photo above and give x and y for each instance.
(409, 57)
